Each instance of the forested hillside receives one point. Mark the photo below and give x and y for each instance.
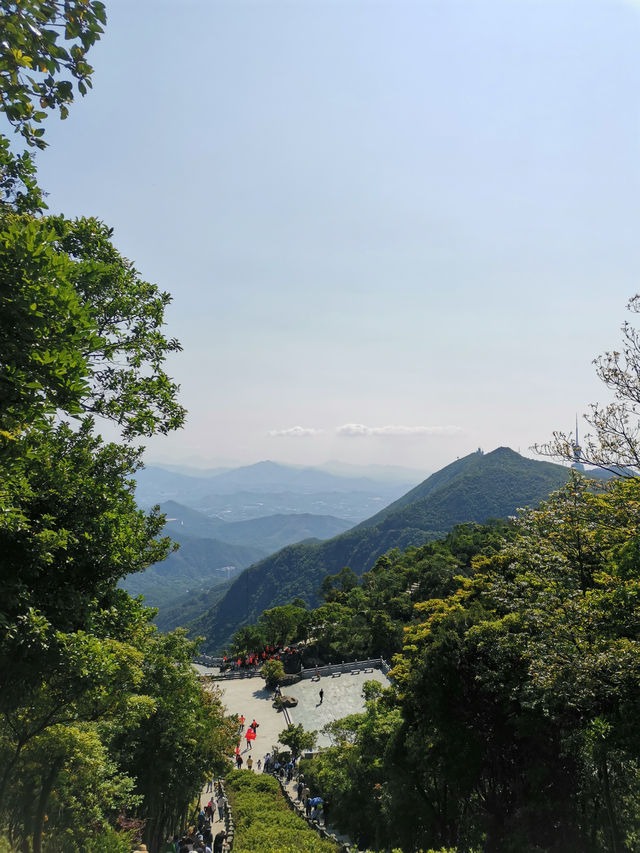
(211, 551)
(510, 720)
(476, 488)
(198, 564)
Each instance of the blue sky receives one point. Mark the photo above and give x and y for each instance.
(393, 231)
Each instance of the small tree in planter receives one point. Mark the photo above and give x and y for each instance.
(273, 673)
(297, 739)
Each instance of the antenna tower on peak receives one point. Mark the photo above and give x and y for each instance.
(577, 451)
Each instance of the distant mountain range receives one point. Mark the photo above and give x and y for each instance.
(197, 566)
(268, 488)
(226, 519)
(378, 473)
(211, 550)
(472, 489)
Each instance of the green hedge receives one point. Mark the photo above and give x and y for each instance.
(264, 822)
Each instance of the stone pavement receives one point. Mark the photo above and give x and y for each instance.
(342, 696)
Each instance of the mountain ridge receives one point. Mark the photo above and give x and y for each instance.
(472, 489)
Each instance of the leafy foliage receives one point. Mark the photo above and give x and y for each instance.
(43, 51)
(88, 685)
(80, 331)
(264, 821)
(297, 739)
(272, 672)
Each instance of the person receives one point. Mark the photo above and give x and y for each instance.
(222, 805)
(209, 785)
(249, 763)
(242, 722)
(239, 762)
(219, 841)
(300, 786)
(321, 695)
(259, 765)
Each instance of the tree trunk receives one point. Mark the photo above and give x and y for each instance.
(43, 799)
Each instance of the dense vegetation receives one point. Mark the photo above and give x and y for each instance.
(198, 565)
(473, 489)
(104, 729)
(264, 820)
(365, 617)
(510, 724)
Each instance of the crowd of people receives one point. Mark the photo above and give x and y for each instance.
(314, 807)
(252, 660)
(201, 838)
(249, 736)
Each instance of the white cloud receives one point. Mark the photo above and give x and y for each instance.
(295, 432)
(394, 430)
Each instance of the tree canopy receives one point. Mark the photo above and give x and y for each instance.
(91, 696)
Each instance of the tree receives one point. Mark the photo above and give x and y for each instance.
(93, 682)
(43, 51)
(273, 673)
(184, 740)
(280, 625)
(297, 739)
(517, 691)
(84, 673)
(248, 639)
(614, 444)
(80, 331)
(69, 531)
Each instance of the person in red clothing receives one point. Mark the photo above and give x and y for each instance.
(242, 722)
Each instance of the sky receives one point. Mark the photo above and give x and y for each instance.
(393, 231)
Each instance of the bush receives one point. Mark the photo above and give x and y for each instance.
(264, 821)
(273, 673)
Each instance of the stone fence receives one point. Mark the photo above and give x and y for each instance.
(322, 831)
(335, 670)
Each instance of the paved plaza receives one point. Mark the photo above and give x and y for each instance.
(249, 696)
(342, 696)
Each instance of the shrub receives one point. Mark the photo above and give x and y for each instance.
(272, 672)
(264, 821)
